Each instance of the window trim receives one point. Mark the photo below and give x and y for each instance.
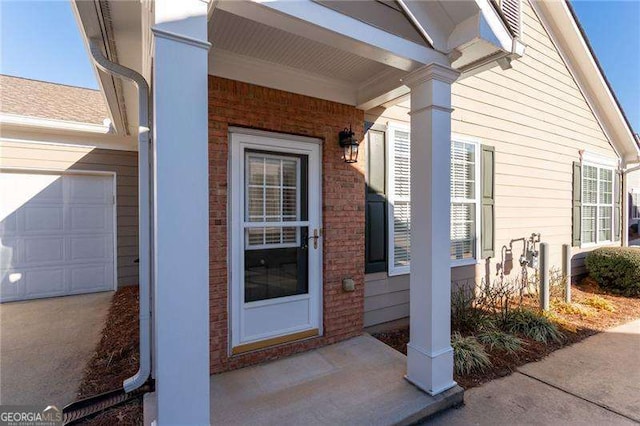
(478, 199)
(604, 165)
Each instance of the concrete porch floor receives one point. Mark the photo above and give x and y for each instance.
(356, 382)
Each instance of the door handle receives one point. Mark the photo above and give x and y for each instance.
(315, 237)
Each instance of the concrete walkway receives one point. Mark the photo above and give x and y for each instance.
(594, 382)
(45, 345)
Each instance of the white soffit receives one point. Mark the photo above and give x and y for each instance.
(241, 36)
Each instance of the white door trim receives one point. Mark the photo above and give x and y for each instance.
(238, 142)
(42, 170)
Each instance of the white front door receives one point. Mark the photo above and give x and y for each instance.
(57, 234)
(275, 241)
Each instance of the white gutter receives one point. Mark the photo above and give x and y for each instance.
(144, 206)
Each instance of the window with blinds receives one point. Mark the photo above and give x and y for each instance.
(399, 185)
(464, 200)
(597, 204)
(271, 198)
(635, 204)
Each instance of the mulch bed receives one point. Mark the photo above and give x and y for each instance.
(115, 359)
(626, 309)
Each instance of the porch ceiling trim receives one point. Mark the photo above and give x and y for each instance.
(223, 63)
(314, 21)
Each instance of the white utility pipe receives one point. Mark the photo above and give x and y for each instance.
(144, 209)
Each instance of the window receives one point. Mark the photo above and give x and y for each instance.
(635, 204)
(399, 201)
(597, 204)
(464, 200)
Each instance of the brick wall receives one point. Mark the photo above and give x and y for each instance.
(232, 103)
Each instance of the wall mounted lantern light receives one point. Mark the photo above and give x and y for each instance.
(349, 144)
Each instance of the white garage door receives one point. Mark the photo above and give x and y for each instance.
(57, 234)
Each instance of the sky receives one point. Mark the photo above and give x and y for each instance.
(40, 40)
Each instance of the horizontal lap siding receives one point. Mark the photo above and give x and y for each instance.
(68, 157)
(537, 119)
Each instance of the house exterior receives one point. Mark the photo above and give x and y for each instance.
(478, 123)
(72, 226)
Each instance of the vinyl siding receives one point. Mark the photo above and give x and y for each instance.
(538, 121)
(68, 157)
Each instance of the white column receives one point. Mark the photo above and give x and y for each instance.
(181, 211)
(429, 352)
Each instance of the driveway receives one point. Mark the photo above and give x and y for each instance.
(45, 345)
(596, 381)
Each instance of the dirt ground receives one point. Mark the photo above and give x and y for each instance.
(116, 358)
(575, 328)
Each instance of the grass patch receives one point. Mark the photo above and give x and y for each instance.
(599, 303)
(533, 325)
(468, 354)
(499, 340)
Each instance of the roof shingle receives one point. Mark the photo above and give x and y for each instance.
(33, 98)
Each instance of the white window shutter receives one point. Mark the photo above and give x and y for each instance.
(399, 154)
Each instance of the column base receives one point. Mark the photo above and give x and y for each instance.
(433, 373)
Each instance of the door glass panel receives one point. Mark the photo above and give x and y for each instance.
(276, 254)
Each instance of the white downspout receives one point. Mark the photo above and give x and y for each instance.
(144, 206)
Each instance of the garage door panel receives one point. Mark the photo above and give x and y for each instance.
(90, 218)
(11, 284)
(44, 282)
(42, 250)
(42, 218)
(94, 248)
(57, 235)
(91, 278)
(83, 189)
(9, 225)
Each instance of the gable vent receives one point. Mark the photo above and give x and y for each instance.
(511, 11)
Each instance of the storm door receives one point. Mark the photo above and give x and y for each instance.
(276, 241)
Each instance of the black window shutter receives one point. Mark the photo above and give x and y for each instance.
(576, 228)
(376, 203)
(487, 223)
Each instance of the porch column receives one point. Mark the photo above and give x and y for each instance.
(181, 212)
(429, 352)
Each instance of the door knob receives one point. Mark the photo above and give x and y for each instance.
(315, 237)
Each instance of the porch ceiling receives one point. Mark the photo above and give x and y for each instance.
(233, 33)
(251, 51)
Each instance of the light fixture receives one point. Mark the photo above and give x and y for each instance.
(349, 144)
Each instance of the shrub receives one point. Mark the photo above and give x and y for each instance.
(468, 354)
(496, 339)
(599, 303)
(616, 269)
(466, 315)
(533, 325)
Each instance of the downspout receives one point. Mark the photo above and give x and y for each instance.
(144, 206)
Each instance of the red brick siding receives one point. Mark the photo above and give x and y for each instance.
(232, 103)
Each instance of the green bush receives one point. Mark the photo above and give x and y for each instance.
(468, 354)
(533, 325)
(616, 269)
